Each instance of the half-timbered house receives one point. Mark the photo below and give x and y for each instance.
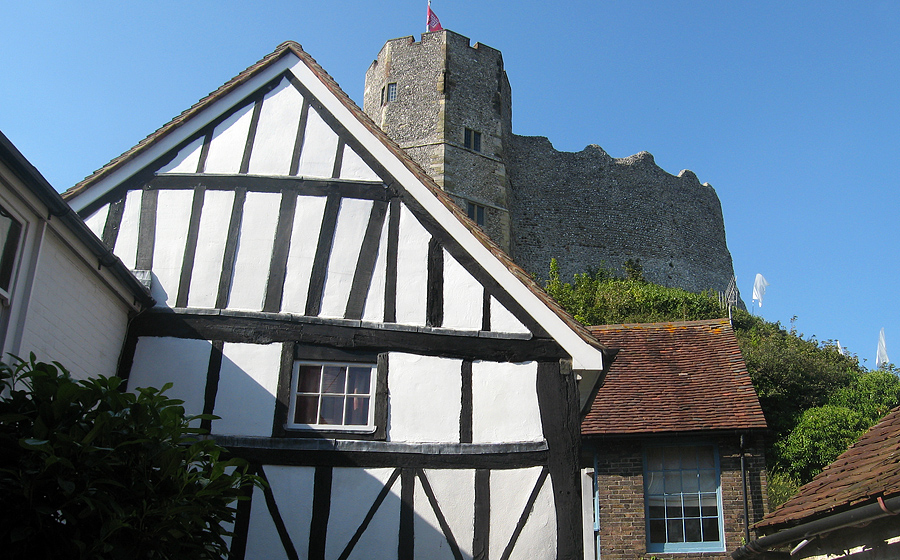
(405, 390)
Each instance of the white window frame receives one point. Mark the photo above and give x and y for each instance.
(369, 427)
(717, 545)
(391, 94)
(5, 293)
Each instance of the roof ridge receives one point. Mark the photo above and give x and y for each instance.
(660, 324)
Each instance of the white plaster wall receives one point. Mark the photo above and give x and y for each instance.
(248, 381)
(504, 321)
(353, 167)
(412, 269)
(454, 491)
(463, 297)
(374, 309)
(183, 362)
(263, 542)
(173, 216)
(187, 159)
(276, 131)
(504, 403)
(293, 491)
(510, 490)
(71, 316)
(97, 220)
(425, 398)
(129, 228)
(254, 252)
(211, 237)
(353, 491)
(353, 218)
(304, 239)
(227, 146)
(319, 147)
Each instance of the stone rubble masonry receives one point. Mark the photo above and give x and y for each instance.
(585, 209)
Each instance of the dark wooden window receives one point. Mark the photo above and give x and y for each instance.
(472, 139)
(10, 231)
(475, 212)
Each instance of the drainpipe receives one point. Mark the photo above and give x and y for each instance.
(807, 531)
(744, 488)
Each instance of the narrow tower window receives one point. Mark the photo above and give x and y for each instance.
(475, 212)
(472, 139)
(391, 92)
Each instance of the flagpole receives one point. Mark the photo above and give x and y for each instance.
(428, 16)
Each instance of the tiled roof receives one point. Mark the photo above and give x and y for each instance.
(332, 85)
(868, 470)
(673, 377)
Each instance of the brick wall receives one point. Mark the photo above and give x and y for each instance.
(620, 474)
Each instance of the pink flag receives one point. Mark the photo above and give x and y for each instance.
(434, 24)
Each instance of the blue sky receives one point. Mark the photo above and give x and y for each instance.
(789, 109)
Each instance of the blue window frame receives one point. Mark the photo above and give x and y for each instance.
(683, 498)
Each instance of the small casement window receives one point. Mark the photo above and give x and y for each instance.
(472, 139)
(10, 232)
(683, 499)
(332, 396)
(391, 93)
(475, 212)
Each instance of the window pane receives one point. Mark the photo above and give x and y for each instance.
(690, 482)
(709, 505)
(654, 483)
(333, 378)
(308, 381)
(306, 409)
(357, 413)
(692, 530)
(689, 458)
(655, 458)
(479, 219)
(10, 229)
(691, 505)
(710, 528)
(658, 531)
(708, 482)
(706, 458)
(476, 141)
(676, 532)
(332, 410)
(358, 380)
(673, 482)
(656, 508)
(467, 138)
(392, 92)
(673, 507)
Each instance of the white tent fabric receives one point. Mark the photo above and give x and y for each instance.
(759, 288)
(881, 356)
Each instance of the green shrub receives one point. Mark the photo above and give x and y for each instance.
(90, 471)
(819, 437)
(780, 487)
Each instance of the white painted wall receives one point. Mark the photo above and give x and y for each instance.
(504, 403)
(412, 269)
(173, 216)
(353, 167)
(425, 398)
(276, 131)
(353, 218)
(186, 160)
(353, 491)
(96, 221)
(319, 147)
(71, 317)
(463, 297)
(263, 541)
(211, 237)
(304, 237)
(504, 321)
(510, 490)
(293, 490)
(182, 362)
(454, 491)
(254, 253)
(374, 309)
(129, 229)
(248, 383)
(227, 146)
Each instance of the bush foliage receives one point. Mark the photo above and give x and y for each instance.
(816, 400)
(90, 471)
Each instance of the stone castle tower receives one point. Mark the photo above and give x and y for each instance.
(449, 105)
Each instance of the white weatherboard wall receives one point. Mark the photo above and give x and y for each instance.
(248, 381)
(504, 403)
(72, 318)
(182, 362)
(353, 491)
(425, 396)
